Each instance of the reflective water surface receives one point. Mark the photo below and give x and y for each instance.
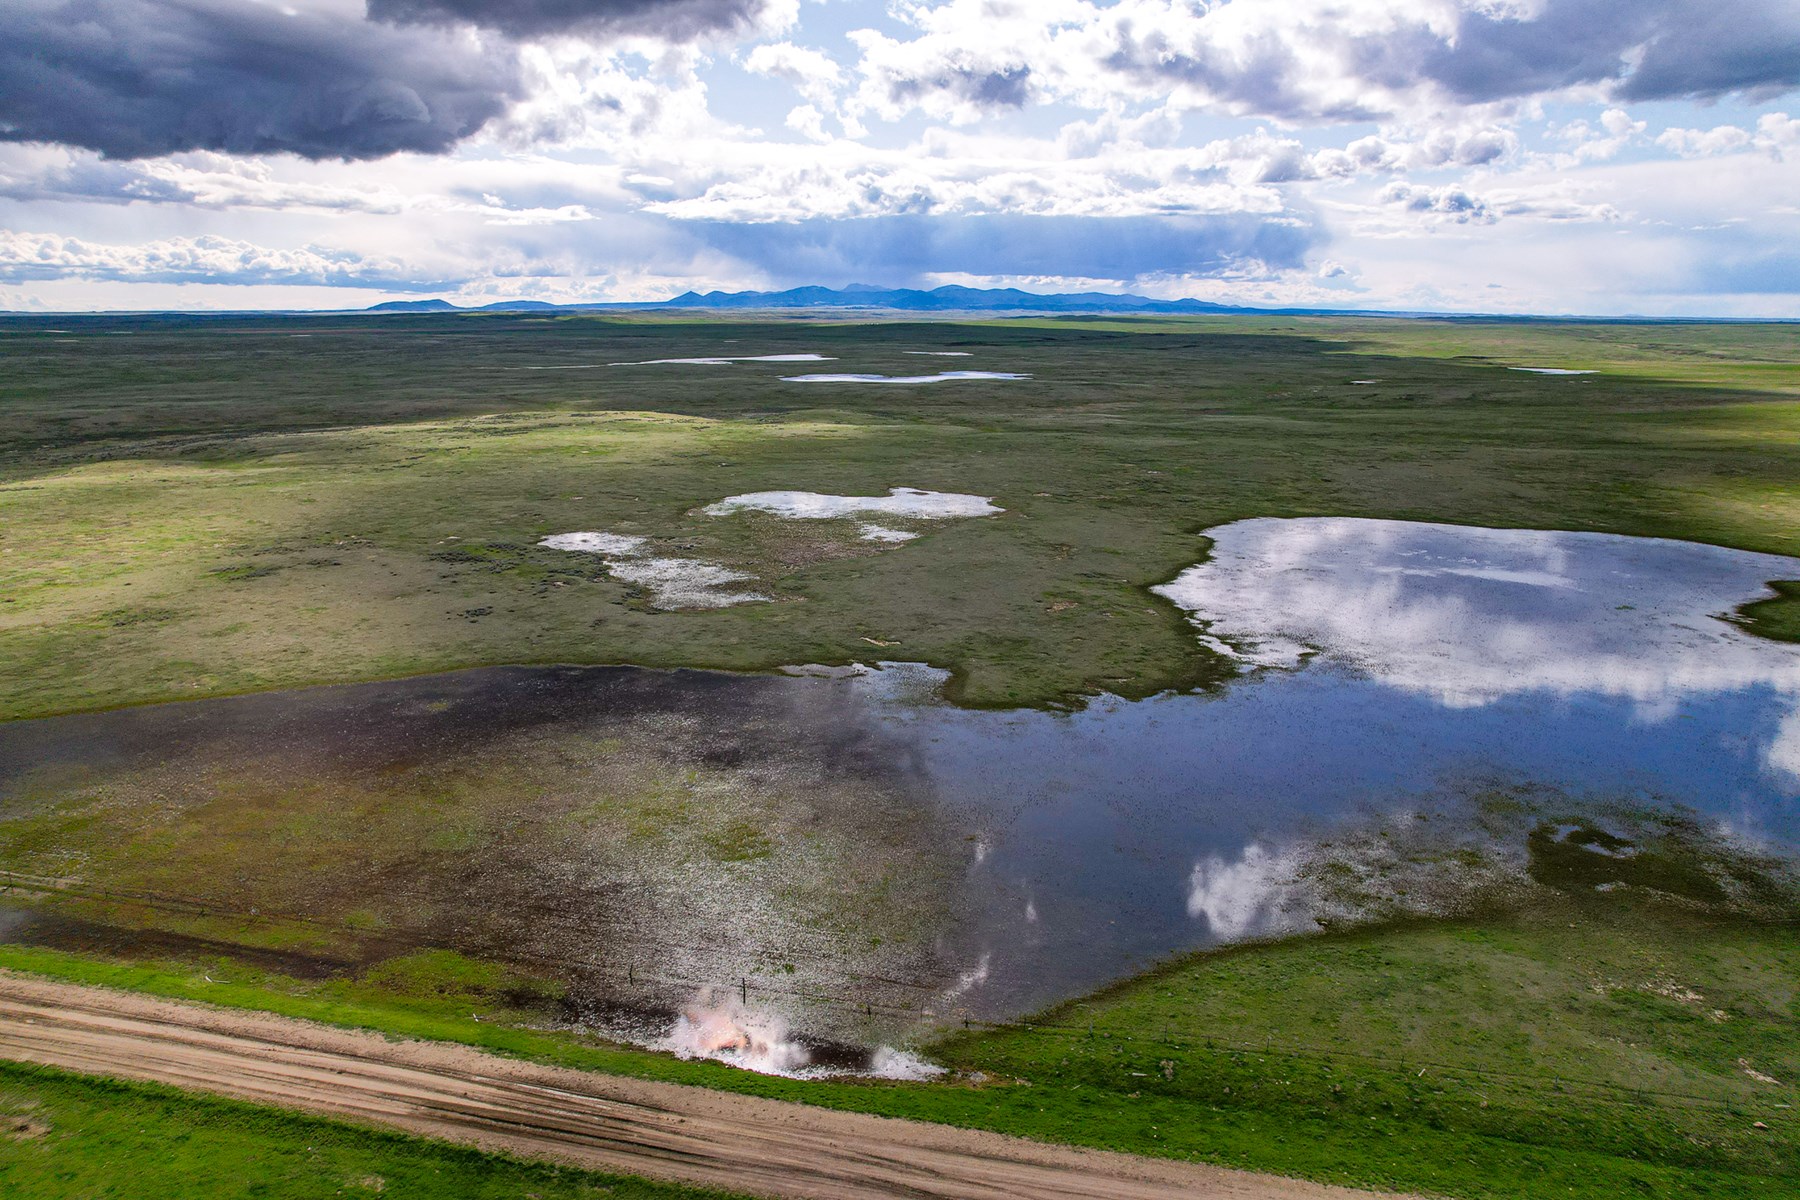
(863, 856)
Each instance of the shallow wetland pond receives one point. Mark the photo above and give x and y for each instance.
(1428, 720)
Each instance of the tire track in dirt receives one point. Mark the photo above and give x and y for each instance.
(631, 1126)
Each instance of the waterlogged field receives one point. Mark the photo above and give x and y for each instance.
(1530, 795)
(630, 837)
(1587, 1047)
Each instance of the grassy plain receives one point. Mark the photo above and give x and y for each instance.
(196, 507)
(1599, 1046)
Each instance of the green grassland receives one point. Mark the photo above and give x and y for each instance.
(198, 507)
(67, 1135)
(1602, 1025)
(1594, 1046)
(203, 507)
(1506, 1057)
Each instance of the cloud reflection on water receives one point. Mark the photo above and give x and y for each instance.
(1469, 616)
(1245, 897)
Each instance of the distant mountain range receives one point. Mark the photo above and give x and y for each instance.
(950, 299)
(954, 299)
(943, 299)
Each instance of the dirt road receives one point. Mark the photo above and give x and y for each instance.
(631, 1126)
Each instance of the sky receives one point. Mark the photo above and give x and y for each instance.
(1601, 157)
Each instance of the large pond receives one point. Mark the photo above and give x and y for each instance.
(1424, 714)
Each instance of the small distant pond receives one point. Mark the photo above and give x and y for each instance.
(1415, 703)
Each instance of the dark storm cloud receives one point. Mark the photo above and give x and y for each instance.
(1643, 49)
(1719, 48)
(1684, 49)
(134, 78)
(675, 20)
(1494, 58)
(905, 249)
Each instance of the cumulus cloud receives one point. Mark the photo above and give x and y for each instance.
(200, 180)
(674, 20)
(132, 78)
(1616, 130)
(1450, 202)
(815, 75)
(1698, 143)
(881, 186)
(979, 86)
(27, 256)
(955, 84)
(1446, 143)
(1457, 204)
(808, 122)
(1774, 134)
(1085, 139)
